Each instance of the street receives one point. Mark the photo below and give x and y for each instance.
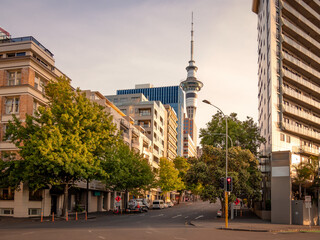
(171, 223)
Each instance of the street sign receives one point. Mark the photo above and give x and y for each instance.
(307, 199)
(308, 204)
(237, 201)
(118, 199)
(236, 206)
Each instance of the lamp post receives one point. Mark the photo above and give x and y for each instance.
(225, 190)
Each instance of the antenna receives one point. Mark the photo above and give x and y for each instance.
(192, 36)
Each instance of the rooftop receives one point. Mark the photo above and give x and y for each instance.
(27, 39)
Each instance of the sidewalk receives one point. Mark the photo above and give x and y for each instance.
(250, 222)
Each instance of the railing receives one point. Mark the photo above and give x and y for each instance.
(305, 99)
(310, 150)
(302, 131)
(300, 32)
(300, 17)
(301, 114)
(301, 48)
(26, 39)
(301, 64)
(300, 80)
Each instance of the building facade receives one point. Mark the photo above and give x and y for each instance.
(172, 95)
(149, 115)
(171, 133)
(25, 67)
(189, 147)
(289, 84)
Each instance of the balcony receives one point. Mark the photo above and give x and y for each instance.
(301, 52)
(305, 85)
(301, 115)
(301, 36)
(306, 150)
(304, 100)
(295, 63)
(300, 20)
(302, 132)
(306, 11)
(135, 144)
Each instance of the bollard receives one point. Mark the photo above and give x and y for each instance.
(67, 217)
(76, 216)
(41, 216)
(52, 216)
(86, 216)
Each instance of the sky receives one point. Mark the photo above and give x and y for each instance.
(106, 45)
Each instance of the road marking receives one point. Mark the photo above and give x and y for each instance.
(158, 215)
(149, 232)
(27, 233)
(179, 238)
(89, 231)
(177, 216)
(186, 217)
(199, 217)
(101, 237)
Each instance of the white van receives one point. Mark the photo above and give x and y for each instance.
(157, 204)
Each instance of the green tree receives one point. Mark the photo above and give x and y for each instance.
(245, 134)
(169, 179)
(64, 142)
(129, 170)
(210, 168)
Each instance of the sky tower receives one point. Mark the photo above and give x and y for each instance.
(191, 85)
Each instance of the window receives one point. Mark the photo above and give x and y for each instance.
(19, 54)
(12, 105)
(288, 139)
(9, 55)
(35, 107)
(39, 83)
(14, 78)
(6, 194)
(4, 127)
(281, 136)
(35, 195)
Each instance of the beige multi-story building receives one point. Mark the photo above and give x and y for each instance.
(172, 141)
(150, 115)
(289, 94)
(25, 67)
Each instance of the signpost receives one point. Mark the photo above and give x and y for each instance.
(307, 202)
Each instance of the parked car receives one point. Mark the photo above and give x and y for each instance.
(219, 213)
(157, 204)
(170, 204)
(136, 205)
(145, 201)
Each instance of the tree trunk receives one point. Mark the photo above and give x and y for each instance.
(299, 191)
(65, 202)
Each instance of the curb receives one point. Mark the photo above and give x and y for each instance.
(245, 230)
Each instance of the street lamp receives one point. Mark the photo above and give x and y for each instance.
(225, 191)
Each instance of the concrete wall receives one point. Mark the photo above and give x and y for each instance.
(300, 214)
(281, 187)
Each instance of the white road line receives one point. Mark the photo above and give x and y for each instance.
(177, 216)
(186, 217)
(27, 233)
(149, 232)
(177, 238)
(101, 237)
(199, 217)
(158, 215)
(89, 231)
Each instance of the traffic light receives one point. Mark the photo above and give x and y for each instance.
(221, 183)
(229, 184)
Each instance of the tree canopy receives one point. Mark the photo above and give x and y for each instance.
(64, 142)
(169, 179)
(245, 134)
(210, 168)
(129, 170)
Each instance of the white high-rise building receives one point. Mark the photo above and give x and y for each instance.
(289, 94)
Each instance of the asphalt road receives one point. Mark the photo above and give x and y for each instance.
(171, 223)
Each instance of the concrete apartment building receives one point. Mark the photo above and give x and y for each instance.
(150, 115)
(171, 133)
(172, 95)
(289, 95)
(189, 147)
